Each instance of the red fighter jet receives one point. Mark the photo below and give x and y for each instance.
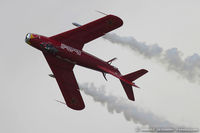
(64, 51)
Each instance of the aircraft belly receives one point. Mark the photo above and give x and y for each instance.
(84, 60)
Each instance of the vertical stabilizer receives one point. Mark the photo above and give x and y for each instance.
(129, 90)
(131, 77)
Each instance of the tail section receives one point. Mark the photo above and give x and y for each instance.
(128, 85)
(126, 80)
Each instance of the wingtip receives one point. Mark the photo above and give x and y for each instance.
(145, 70)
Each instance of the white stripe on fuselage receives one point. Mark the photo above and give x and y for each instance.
(70, 49)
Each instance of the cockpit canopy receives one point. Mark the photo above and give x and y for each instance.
(48, 47)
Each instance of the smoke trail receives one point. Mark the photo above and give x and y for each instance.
(129, 110)
(188, 68)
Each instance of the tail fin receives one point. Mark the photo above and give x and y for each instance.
(131, 77)
(128, 89)
(126, 80)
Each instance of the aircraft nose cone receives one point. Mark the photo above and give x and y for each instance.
(28, 38)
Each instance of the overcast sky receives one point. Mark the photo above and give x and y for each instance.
(27, 93)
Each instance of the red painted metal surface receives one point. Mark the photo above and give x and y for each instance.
(64, 50)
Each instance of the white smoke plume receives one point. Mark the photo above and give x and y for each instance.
(188, 68)
(119, 105)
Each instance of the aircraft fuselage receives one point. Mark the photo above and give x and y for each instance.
(67, 53)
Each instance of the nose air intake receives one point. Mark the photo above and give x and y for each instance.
(29, 36)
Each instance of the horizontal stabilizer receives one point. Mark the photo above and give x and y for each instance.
(135, 75)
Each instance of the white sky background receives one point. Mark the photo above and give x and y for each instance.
(27, 93)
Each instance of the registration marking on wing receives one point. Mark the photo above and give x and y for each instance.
(70, 49)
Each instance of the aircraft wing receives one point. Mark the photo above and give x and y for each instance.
(79, 36)
(63, 72)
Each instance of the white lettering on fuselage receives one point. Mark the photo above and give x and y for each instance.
(70, 49)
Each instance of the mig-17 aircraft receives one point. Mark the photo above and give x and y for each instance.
(65, 50)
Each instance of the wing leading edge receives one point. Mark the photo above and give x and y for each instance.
(63, 72)
(79, 36)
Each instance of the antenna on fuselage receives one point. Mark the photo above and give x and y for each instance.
(101, 12)
(60, 102)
